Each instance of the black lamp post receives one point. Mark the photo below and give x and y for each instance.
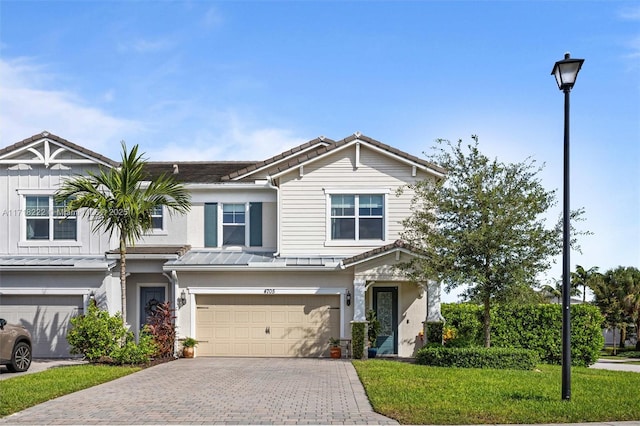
(566, 72)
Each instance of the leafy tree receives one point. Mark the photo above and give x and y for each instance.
(121, 200)
(481, 226)
(582, 277)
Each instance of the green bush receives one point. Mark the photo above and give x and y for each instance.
(132, 353)
(433, 330)
(357, 339)
(101, 337)
(477, 357)
(535, 327)
(95, 334)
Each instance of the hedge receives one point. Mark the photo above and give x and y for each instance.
(535, 327)
(357, 340)
(477, 357)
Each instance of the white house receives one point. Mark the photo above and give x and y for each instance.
(274, 258)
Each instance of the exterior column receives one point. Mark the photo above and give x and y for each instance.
(359, 305)
(433, 301)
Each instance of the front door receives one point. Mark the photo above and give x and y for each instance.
(385, 303)
(149, 298)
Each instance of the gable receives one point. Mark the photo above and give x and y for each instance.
(51, 151)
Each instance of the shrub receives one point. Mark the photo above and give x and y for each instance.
(95, 334)
(536, 327)
(357, 340)
(132, 353)
(477, 357)
(162, 328)
(434, 332)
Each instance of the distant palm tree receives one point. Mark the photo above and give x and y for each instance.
(120, 199)
(584, 278)
(556, 292)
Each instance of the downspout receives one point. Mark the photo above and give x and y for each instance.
(173, 279)
(278, 220)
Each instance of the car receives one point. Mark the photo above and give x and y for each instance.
(15, 347)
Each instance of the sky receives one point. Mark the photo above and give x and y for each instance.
(234, 80)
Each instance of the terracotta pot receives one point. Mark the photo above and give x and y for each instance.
(188, 352)
(335, 352)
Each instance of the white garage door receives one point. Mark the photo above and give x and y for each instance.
(266, 326)
(46, 317)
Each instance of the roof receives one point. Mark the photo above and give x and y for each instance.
(211, 259)
(326, 147)
(18, 262)
(46, 135)
(386, 249)
(195, 171)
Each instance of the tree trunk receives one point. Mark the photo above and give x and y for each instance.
(623, 335)
(487, 323)
(638, 335)
(123, 278)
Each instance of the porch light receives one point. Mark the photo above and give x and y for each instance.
(348, 298)
(183, 299)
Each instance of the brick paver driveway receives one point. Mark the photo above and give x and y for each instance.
(218, 390)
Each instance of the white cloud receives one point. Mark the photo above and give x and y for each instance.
(146, 46)
(630, 13)
(28, 107)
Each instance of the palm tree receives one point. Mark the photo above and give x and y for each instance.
(631, 300)
(556, 292)
(120, 199)
(584, 277)
(610, 291)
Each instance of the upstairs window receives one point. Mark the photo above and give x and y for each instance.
(228, 224)
(233, 224)
(157, 217)
(357, 217)
(48, 220)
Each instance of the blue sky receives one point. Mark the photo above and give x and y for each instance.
(198, 80)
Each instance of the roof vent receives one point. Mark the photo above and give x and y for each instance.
(175, 169)
(357, 134)
(322, 137)
(45, 133)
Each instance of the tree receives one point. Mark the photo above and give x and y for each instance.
(556, 292)
(582, 277)
(481, 226)
(121, 200)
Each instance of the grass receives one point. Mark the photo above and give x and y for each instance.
(416, 394)
(19, 393)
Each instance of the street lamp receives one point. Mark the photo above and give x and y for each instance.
(566, 72)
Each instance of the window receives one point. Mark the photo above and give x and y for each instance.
(49, 220)
(156, 217)
(357, 217)
(233, 225)
(227, 224)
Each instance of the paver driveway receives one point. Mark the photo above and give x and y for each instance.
(218, 390)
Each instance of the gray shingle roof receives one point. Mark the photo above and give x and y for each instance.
(398, 244)
(194, 171)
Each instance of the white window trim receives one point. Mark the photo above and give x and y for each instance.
(160, 231)
(221, 225)
(356, 192)
(24, 242)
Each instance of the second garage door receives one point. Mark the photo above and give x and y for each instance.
(266, 326)
(46, 317)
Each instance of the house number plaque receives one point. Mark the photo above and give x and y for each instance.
(269, 291)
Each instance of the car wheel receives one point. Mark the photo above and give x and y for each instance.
(20, 358)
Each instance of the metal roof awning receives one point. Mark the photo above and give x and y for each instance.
(55, 263)
(195, 260)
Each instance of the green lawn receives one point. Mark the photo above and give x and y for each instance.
(417, 394)
(25, 391)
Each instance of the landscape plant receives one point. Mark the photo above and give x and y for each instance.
(482, 225)
(161, 326)
(96, 334)
(121, 199)
(478, 357)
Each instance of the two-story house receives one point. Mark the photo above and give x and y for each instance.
(274, 258)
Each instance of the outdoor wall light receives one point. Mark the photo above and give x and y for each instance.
(183, 299)
(348, 298)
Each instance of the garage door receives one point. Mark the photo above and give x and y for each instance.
(266, 326)
(46, 317)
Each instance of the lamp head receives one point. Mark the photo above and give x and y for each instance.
(566, 71)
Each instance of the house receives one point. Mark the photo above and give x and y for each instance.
(274, 258)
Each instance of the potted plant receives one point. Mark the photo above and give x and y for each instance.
(335, 350)
(188, 345)
(373, 328)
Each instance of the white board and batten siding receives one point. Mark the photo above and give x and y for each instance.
(304, 206)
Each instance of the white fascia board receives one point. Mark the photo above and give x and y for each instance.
(285, 159)
(245, 268)
(372, 147)
(144, 256)
(378, 255)
(261, 290)
(261, 184)
(44, 291)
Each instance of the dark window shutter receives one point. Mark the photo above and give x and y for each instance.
(211, 224)
(255, 224)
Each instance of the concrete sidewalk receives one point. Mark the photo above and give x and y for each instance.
(40, 364)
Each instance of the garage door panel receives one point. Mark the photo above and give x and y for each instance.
(273, 325)
(47, 319)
